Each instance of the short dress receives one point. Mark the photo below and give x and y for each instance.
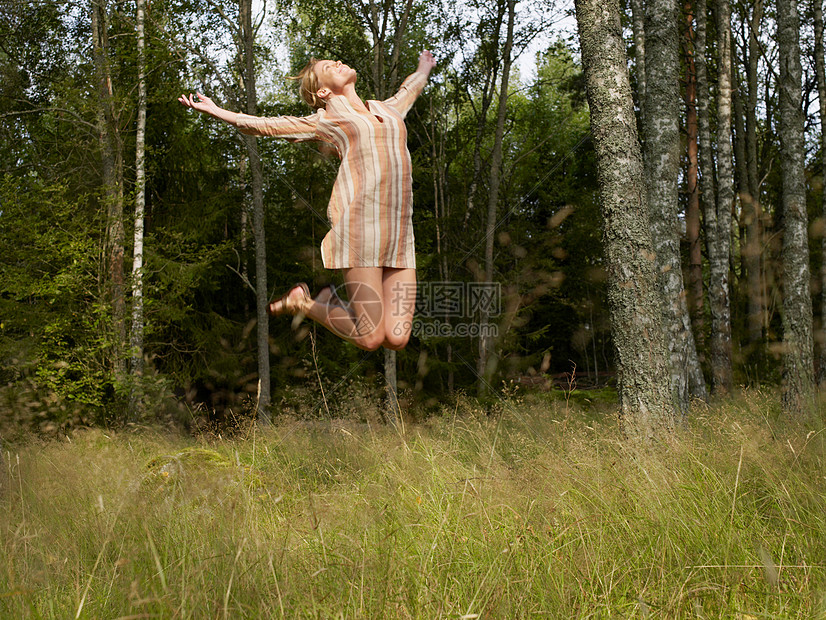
(371, 206)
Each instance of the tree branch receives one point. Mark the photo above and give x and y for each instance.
(232, 26)
(76, 116)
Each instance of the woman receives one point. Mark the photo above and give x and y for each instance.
(370, 210)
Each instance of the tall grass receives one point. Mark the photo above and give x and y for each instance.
(537, 511)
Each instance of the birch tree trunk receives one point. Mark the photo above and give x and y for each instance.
(798, 366)
(646, 404)
(136, 337)
(662, 171)
(708, 186)
(692, 214)
(820, 69)
(486, 340)
(112, 167)
(741, 172)
(261, 291)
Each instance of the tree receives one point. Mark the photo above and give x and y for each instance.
(798, 356)
(486, 340)
(718, 265)
(136, 337)
(751, 195)
(111, 148)
(489, 60)
(662, 168)
(719, 226)
(692, 212)
(638, 27)
(247, 34)
(646, 404)
(820, 69)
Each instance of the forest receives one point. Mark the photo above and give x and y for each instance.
(140, 241)
(610, 404)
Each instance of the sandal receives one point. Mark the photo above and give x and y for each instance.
(290, 306)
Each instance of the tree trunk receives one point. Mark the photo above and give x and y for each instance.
(136, 338)
(398, 41)
(716, 205)
(378, 31)
(486, 360)
(437, 153)
(708, 188)
(754, 244)
(741, 174)
(719, 228)
(112, 166)
(261, 291)
(798, 367)
(638, 27)
(646, 404)
(662, 171)
(393, 411)
(820, 70)
(244, 234)
(692, 215)
(486, 98)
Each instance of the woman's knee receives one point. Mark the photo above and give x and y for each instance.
(396, 343)
(397, 337)
(370, 341)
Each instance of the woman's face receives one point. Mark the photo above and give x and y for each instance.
(333, 76)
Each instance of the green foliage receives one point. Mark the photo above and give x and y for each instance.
(51, 308)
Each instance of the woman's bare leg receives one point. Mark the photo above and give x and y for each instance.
(379, 310)
(359, 320)
(399, 293)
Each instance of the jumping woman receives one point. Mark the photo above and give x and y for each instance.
(371, 207)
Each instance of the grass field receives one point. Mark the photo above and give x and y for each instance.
(538, 510)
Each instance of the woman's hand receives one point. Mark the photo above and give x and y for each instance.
(426, 62)
(207, 106)
(204, 103)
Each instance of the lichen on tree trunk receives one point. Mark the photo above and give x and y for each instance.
(798, 357)
(646, 404)
(662, 171)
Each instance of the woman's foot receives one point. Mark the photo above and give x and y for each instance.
(294, 301)
(328, 296)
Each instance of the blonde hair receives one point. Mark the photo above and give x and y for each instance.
(308, 85)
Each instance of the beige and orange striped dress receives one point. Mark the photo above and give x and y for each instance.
(371, 207)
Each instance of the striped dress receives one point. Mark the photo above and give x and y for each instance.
(371, 207)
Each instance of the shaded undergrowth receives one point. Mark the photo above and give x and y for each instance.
(538, 510)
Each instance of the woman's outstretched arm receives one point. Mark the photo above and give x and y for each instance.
(205, 105)
(412, 85)
(292, 128)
